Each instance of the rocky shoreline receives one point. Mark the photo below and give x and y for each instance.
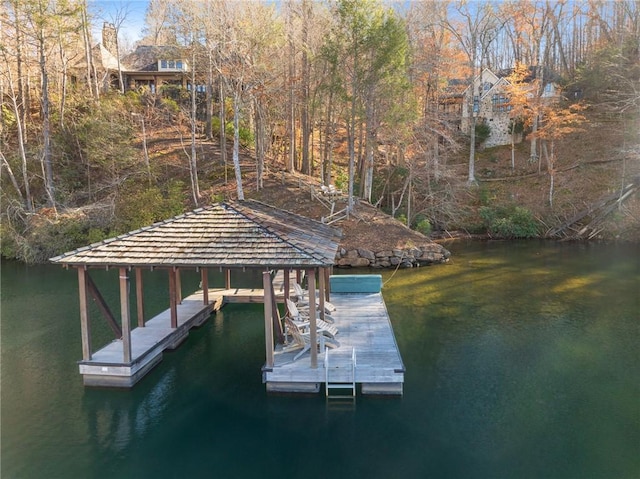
(423, 255)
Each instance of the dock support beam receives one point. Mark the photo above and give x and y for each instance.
(173, 298)
(85, 326)
(204, 279)
(178, 286)
(287, 286)
(140, 297)
(327, 290)
(313, 329)
(321, 288)
(124, 314)
(268, 314)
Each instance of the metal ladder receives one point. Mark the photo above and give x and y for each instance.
(340, 373)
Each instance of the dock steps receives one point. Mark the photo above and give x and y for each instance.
(340, 373)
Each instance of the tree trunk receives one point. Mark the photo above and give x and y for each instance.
(291, 119)
(236, 145)
(208, 127)
(12, 177)
(328, 142)
(305, 117)
(86, 38)
(46, 123)
(22, 95)
(513, 147)
(551, 166)
(370, 143)
(260, 145)
(193, 163)
(223, 127)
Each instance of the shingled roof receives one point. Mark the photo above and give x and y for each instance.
(232, 234)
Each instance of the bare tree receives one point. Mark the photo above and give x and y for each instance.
(475, 30)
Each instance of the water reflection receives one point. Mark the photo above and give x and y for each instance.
(117, 418)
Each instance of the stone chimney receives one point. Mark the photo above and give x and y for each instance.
(109, 37)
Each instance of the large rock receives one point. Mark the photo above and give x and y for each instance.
(368, 254)
(426, 254)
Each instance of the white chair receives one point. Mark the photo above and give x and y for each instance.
(302, 321)
(302, 340)
(303, 299)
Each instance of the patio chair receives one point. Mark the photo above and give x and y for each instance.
(303, 299)
(303, 322)
(302, 340)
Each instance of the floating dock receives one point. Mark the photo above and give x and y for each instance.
(364, 326)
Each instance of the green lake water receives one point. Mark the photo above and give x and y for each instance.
(522, 358)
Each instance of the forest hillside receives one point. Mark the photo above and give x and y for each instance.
(389, 120)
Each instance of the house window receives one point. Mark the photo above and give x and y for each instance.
(199, 88)
(171, 65)
(548, 89)
(500, 102)
(486, 86)
(476, 104)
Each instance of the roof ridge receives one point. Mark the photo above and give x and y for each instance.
(271, 231)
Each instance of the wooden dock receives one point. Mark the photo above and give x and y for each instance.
(361, 318)
(364, 325)
(107, 368)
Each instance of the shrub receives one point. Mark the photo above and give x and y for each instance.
(245, 135)
(483, 131)
(423, 226)
(341, 179)
(137, 207)
(509, 222)
(45, 236)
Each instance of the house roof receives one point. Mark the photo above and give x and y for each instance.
(232, 234)
(145, 57)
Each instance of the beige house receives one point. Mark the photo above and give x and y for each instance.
(148, 66)
(152, 66)
(491, 105)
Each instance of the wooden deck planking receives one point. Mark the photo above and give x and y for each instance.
(363, 324)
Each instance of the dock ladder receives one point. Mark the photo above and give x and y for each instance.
(340, 373)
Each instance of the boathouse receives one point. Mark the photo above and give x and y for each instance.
(229, 236)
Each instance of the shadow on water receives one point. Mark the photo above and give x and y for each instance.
(522, 361)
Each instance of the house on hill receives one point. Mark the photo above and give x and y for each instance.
(148, 66)
(491, 104)
(153, 66)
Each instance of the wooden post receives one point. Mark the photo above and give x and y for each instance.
(178, 286)
(268, 312)
(321, 288)
(204, 279)
(287, 287)
(140, 297)
(275, 314)
(173, 303)
(227, 278)
(85, 326)
(327, 282)
(124, 315)
(313, 329)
